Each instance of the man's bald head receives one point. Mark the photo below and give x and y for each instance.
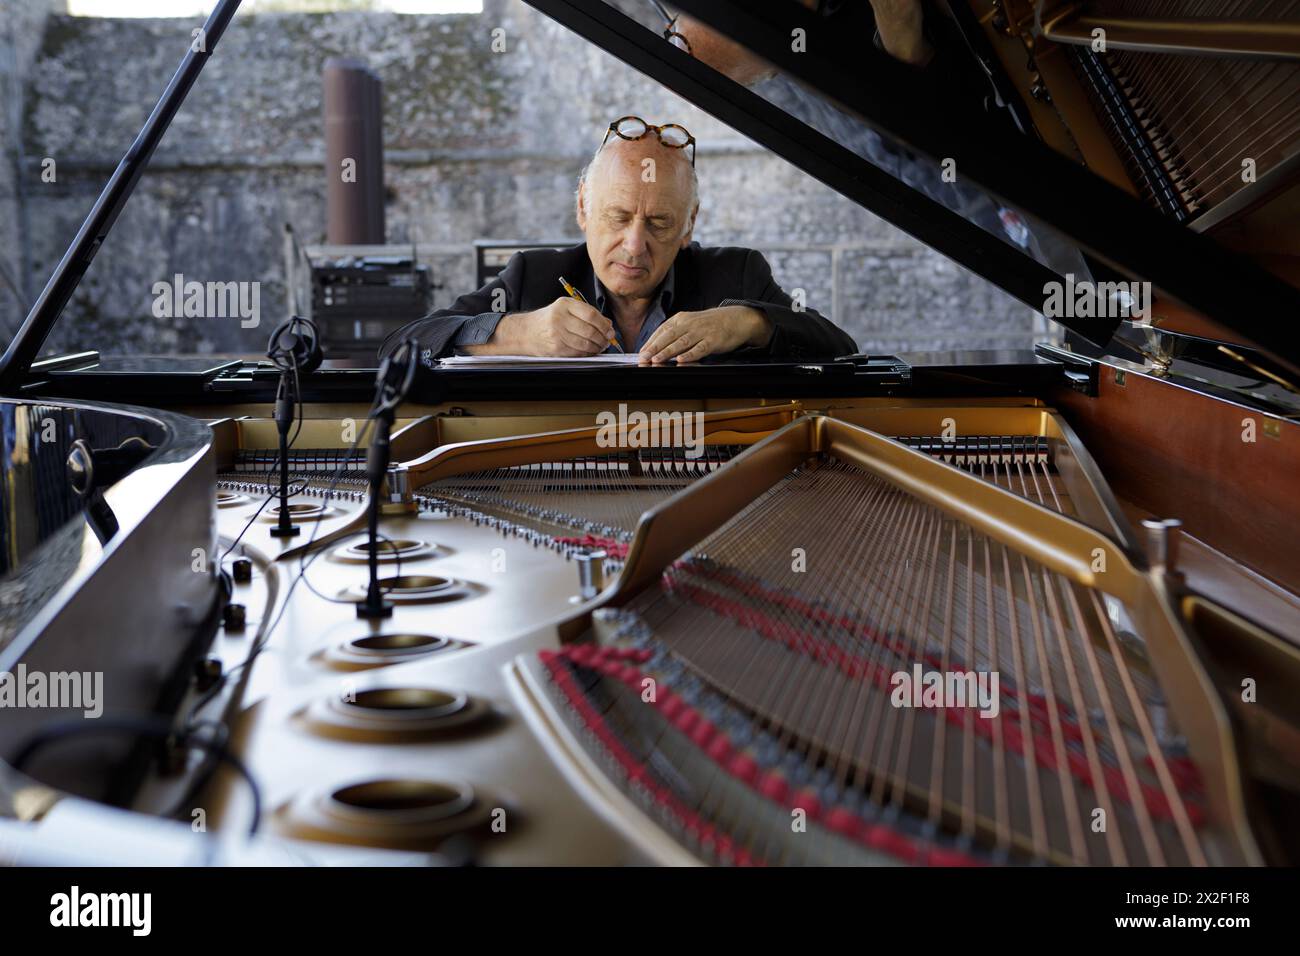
(622, 158)
(637, 201)
(723, 54)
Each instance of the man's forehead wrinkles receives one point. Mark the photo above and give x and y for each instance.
(629, 159)
(632, 179)
(633, 200)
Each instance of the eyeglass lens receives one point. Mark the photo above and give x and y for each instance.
(631, 128)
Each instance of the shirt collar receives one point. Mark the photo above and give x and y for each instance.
(663, 296)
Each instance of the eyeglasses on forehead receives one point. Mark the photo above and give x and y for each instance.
(671, 135)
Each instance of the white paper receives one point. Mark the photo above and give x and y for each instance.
(583, 361)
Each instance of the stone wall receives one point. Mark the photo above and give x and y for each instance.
(477, 144)
(22, 24)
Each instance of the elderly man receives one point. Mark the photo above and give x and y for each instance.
(645, 287)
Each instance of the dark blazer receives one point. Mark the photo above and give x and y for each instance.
(703, 279)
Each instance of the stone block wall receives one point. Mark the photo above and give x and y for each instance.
(22, 26)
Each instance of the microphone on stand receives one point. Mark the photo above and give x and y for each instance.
(396, 373)
(295, 350)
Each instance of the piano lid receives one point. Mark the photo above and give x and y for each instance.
(902, 143)
(947, 154)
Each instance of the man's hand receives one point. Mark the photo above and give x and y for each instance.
(899, 23)
(689, 336)
(566, 328)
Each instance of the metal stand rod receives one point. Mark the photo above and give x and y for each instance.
(374, 605)
(285, 528)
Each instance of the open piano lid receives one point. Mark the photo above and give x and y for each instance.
(1078, 210)
(1063, 203)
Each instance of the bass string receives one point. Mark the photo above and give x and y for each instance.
(803, 689)
(1118, 739)
(1160, 764)
(733, 653)
(716, 800)
(1079, 707)
(805, 695)
(915, 605)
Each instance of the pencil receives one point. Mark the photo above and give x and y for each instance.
(581, 298)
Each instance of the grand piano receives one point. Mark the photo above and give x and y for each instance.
(687, 655)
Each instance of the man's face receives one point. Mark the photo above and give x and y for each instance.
(636, 210)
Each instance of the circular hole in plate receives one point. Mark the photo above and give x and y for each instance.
(382, 650)
(397, 549)
(414, 584)
(404, 799)
(398, 644)
(400, 813)
(414, 589)
(422, 702)
(299, 510)
(228, 499)
(387, 547)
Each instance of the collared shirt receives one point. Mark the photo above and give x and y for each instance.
(480, 328)
(659, 311)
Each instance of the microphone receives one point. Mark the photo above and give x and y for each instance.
(296, 343)
(295, 350)
(396, 374)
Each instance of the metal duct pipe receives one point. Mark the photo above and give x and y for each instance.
(354, 194)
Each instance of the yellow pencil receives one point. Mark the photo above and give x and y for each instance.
(571, 290)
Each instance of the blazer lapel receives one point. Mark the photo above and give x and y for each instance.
(584, 277)
(687, 296)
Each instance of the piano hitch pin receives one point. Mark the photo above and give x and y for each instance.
(591, 573)
(1162, 543)
(397, 488)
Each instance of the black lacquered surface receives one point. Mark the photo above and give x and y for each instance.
(37, 498)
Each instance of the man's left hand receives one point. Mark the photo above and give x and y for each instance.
(689, 336)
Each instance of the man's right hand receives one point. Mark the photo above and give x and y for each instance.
(566, 327)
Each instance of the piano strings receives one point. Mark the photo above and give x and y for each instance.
(1204, 115)
(891, 582)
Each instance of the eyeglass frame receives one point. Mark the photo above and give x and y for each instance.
(670, 31)
(658, 131)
